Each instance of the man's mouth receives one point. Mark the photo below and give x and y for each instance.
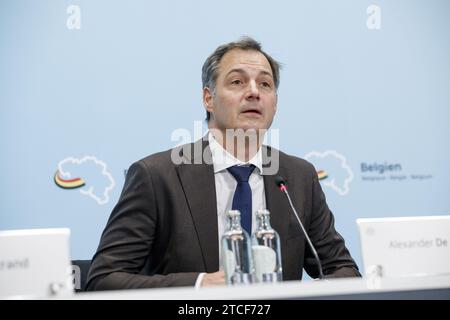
(252, 112)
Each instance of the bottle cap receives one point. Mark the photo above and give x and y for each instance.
(234, 213)
(263, 212)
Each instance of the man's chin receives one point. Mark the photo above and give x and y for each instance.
(251, 124)
(252, 127)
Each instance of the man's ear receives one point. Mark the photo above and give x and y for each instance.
(207, 99)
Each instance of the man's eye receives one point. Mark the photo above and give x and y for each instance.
(266, 84)
(236, 82)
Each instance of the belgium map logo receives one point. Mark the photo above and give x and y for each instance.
(97, 181)
(338, 174)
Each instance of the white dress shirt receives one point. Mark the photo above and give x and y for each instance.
(226, 185)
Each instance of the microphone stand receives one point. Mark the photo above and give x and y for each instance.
(281, 184)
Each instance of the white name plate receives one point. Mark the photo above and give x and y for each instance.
(35, 263)
(406, 246)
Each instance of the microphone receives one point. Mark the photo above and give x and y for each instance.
(281, 183)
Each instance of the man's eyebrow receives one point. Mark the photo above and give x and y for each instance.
(239, 70)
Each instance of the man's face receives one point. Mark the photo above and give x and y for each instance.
(245, 95)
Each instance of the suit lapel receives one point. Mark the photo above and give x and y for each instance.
(197, 180)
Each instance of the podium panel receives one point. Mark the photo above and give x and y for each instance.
(436, 287)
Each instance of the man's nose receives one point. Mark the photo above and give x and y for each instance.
(253, 91)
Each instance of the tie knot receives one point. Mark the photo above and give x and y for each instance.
(241, 173)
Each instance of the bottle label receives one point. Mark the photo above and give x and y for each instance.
(265, 261)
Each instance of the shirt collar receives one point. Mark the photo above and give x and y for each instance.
(222, 159)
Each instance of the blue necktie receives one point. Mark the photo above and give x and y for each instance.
(242, 199)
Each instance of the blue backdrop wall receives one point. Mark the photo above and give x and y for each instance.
(88, 87)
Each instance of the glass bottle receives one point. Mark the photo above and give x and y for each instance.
(266, 250)
(236, 251)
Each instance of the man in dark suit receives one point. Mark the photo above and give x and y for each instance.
(166, 227)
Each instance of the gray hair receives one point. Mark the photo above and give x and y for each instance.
(210, 69)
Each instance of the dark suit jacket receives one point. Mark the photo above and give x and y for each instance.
(163, 230)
